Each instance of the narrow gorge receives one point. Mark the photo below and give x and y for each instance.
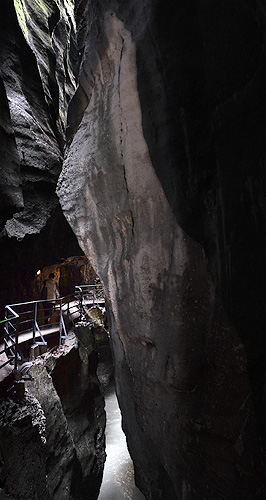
(133, 133)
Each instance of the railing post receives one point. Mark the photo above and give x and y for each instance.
(6, 327)
(60, 323)
(81, 301)
(35, 320)
(16, 345)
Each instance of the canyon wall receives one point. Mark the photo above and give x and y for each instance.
(163, 183)
(52, 442)
(36, 83)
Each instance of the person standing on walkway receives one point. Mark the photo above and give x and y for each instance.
(50, 293)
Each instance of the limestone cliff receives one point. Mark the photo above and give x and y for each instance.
(163, 183)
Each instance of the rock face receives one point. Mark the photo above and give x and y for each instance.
(34, 92)
(36, 83)
(23, 429)
(52, 443)
(163, 184)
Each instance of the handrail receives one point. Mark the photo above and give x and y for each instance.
(40, 301)
(83, 290)
(97, 285)
(5, 320)
(8, 338)
(12, 331)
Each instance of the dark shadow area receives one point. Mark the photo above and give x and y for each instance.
(20, 260)
(201, 83)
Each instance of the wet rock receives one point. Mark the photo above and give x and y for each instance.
(97, 338)
(86, 337)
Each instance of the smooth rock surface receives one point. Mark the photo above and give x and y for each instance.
(159, 184)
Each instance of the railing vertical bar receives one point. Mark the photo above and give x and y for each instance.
(16, 346)
(35, 321)
(6, 327)
(13, 327)
(60, 324)
(81, 301)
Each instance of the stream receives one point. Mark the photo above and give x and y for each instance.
(118, 478)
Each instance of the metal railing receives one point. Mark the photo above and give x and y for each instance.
(10, 343)
(89, 295)
(29, 320)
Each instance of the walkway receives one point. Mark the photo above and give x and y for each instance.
(53, 327)
(26, 321)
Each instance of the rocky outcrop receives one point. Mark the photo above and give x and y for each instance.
(10, 179)
(22, 446)
(52, 442)
(163, 185)
(36, 83)
(34, 92)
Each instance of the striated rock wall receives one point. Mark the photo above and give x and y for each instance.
(10, 179)
(37, 97)
(36, 84)
(163, 184)
(52, 443)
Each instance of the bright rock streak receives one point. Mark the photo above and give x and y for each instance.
(118, 478)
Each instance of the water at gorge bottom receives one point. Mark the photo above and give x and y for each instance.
(118, 478)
